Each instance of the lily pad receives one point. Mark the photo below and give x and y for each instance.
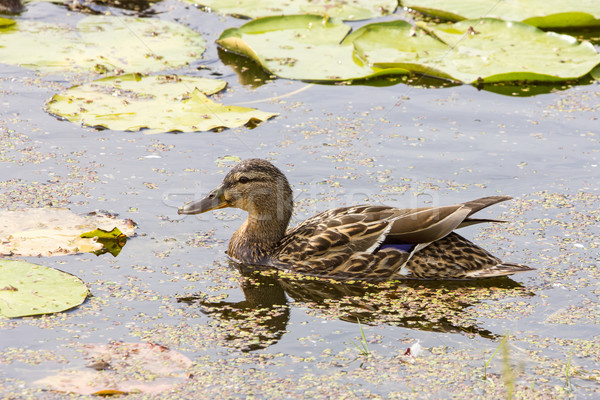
(100, 44)
(540, 13)
(157, 103)
(112, 241)
(4, 22)
(304, 47)
(596, 73)
(348, 10)
(482, 51)
(119, 368)
(31, 289)
(54, 231)
(486, 50)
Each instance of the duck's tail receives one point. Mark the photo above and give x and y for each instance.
(499, 270)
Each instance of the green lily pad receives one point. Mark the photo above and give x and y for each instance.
(348, 10)
(100, 44)
(310, 48)
(596, 73)
(157, 103)
(540, 13)
(385, 44)
(31, 289)
(304, 47)
(483, 51)
(4, 22)
(496, 51)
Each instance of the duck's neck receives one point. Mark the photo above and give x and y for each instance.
(259, 235)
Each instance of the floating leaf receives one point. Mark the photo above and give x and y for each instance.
(387, 43)
(473, 51)
(342, 9)
(4, 22)
(596, 73)
(159, 103)
(112, 241)
(492, 50)
(30, 289)
(488, 50)
(53, 231)
(100, 44)
(540, 13)
(305, 47)
(227, 161)
(119, 368)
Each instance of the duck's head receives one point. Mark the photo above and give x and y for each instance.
(253, 185)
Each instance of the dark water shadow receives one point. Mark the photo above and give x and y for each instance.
(529, 89)
(431, 306)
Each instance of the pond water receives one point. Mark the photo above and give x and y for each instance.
(266, 336)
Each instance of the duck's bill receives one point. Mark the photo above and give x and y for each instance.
(213, 201)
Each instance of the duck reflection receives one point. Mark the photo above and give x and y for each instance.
(436, 306)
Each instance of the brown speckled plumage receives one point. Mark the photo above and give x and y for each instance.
(351, 242)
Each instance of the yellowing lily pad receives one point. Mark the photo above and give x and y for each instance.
(304, 47)
(112, 241)
(54, 231)
(119, 368)
(31, 289)
(540, 13)
(100, 44)
(4, 22)
(157, 103)
(342, 9)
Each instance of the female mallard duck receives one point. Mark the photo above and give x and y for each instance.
(359, 242)
(10, 6)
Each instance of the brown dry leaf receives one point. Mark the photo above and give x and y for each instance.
(119, 368)
(53, 231)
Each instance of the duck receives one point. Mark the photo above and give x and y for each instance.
(358, 243)
(10, 6)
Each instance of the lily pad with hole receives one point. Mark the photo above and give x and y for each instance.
(303, 47)
(54, 231)
(483, 51)
(120, 368)
(100, 44)
(31, 289)
(156, 103)
(540, 13)
(348, 10)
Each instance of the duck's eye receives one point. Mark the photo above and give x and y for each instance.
(243, 179)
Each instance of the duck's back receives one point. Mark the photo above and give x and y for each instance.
(368, 243)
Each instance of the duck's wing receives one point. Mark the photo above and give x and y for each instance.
(342, 244)
(357, 228)
(426, 225)
(354, 242)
